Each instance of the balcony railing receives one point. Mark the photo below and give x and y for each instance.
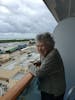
(16, 90)
(71, 93)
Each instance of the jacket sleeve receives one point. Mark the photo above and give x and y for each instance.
(46, 68)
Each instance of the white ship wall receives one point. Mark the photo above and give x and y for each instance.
(64, 35)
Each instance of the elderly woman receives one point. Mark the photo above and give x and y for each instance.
(51, 71)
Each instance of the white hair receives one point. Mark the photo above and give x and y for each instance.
(46, 38)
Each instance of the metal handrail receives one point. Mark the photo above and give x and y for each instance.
(71, 90)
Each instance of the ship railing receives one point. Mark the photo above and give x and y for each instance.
(71, 93)
(17, 89)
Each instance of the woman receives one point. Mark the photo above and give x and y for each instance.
(51, 71)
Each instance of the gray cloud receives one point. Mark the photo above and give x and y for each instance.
(25, 16)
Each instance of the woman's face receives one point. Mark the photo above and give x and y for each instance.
(42, 48)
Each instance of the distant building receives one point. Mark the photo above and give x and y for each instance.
(4, 58)
(31, 42)
(1, 51)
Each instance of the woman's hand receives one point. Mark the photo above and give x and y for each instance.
(37, 64)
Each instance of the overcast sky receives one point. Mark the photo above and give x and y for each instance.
(24, 18)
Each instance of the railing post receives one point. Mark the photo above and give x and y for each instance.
(70, 92)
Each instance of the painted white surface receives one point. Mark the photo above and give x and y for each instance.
(64, 35)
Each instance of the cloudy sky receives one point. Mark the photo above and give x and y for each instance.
(24, 18)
